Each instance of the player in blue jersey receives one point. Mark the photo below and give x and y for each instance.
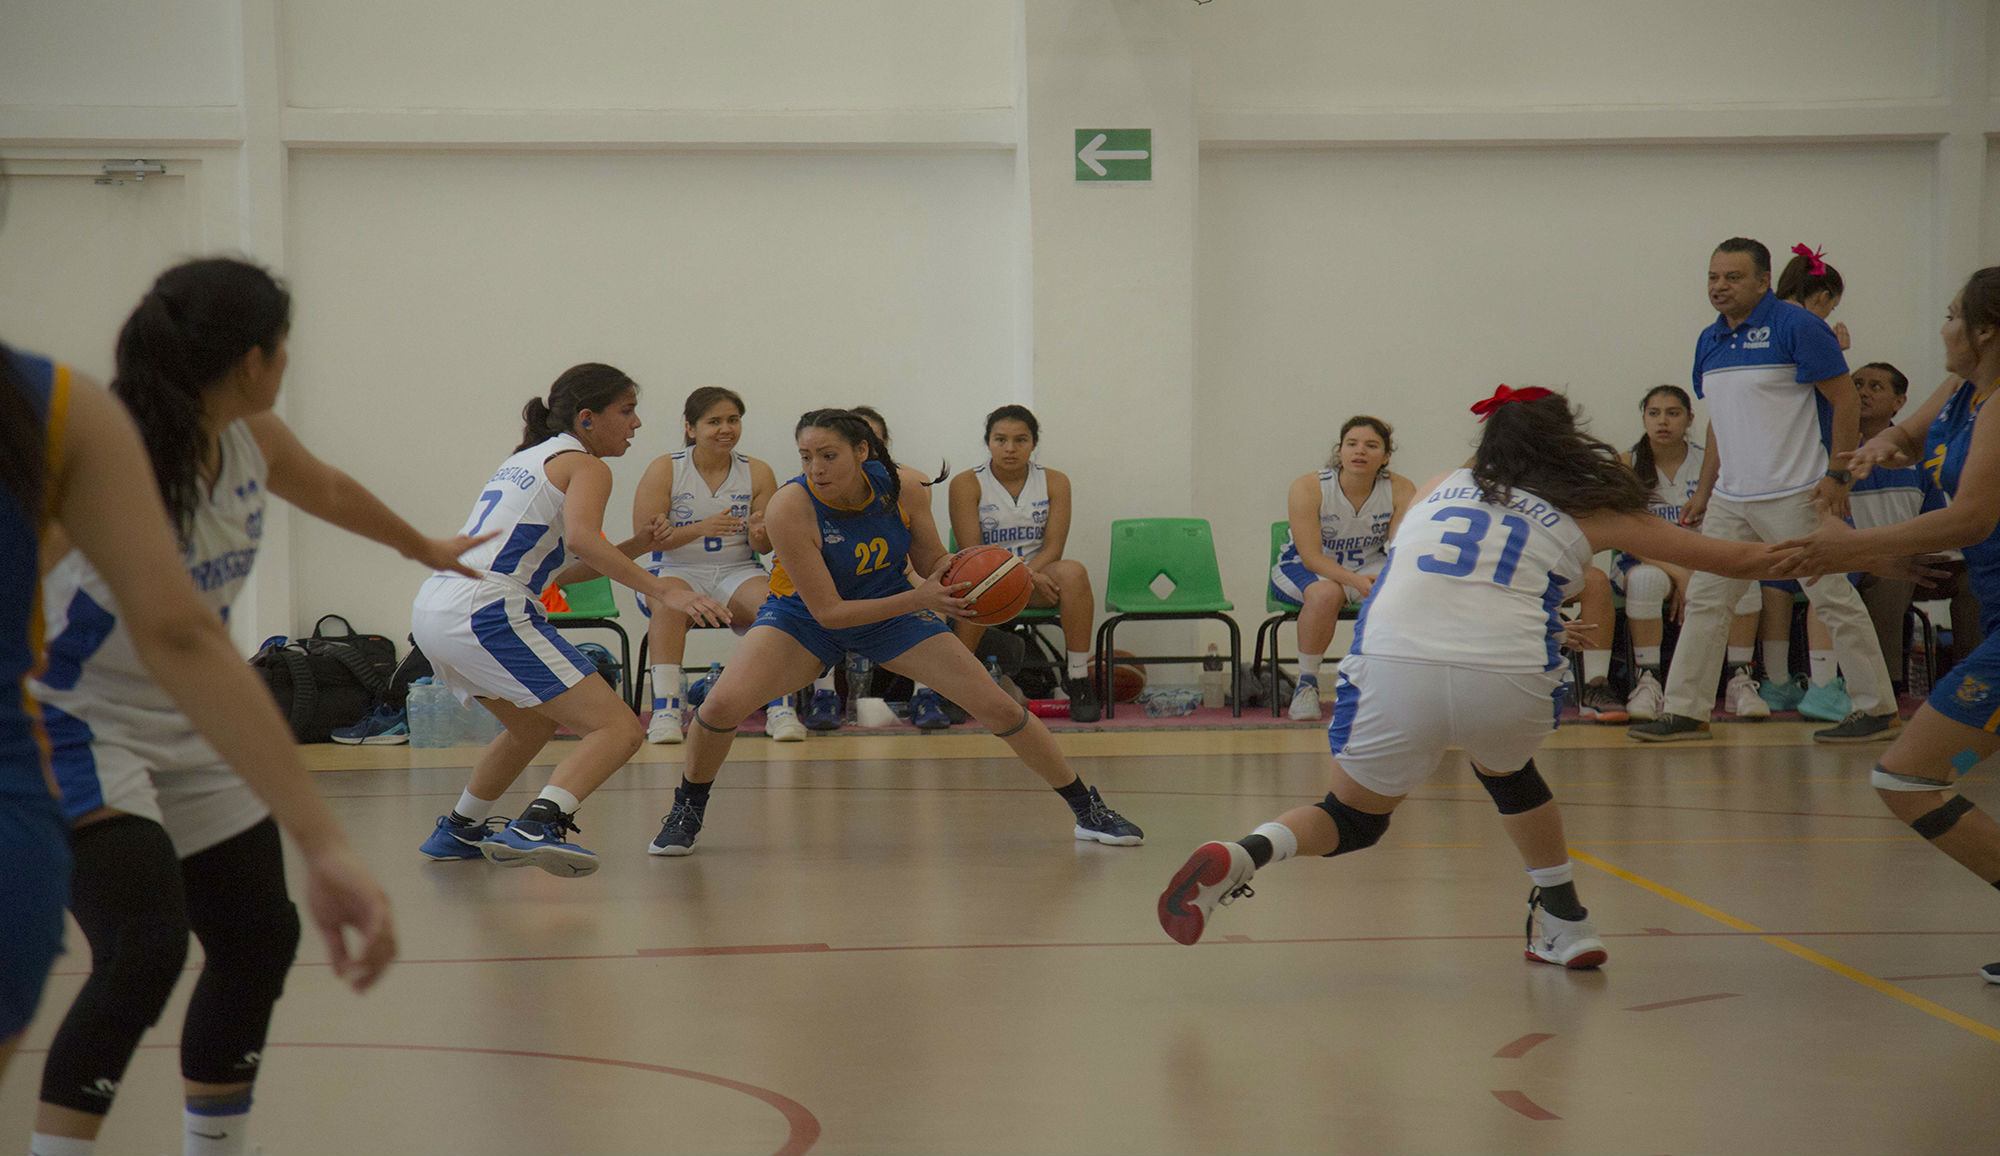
(847, 530)
(1459, 646)
(1957, 443)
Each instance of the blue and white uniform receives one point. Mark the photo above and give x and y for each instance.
(1758, 381)
(714, 566)
(1016, 522)
(1460, 644)
(867, 552)
(1352, 537)
(488, 637)
(31, 824)
(117, 739)
(1671, 494)
(1970, 694)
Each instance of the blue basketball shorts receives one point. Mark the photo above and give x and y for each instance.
(1970, 694)
(878, 641)
(36, 836)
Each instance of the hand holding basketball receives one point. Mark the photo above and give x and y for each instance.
(942, 596)
(999, 582)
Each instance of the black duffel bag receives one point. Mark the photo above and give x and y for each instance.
(320, 685)
(379, 651)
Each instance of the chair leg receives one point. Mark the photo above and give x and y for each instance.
(1235, 666)
(640, 677)
(1105, 682)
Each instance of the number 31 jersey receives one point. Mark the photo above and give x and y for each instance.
(1475, 584)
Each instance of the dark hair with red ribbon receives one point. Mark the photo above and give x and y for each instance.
(1532, 442)
(1807, 275)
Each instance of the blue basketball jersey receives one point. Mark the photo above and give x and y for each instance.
(1946, 446)
(866, 550)
(22, 744)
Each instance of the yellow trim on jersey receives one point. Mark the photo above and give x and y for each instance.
(1992, 723)
(58, 428)
(781, 583)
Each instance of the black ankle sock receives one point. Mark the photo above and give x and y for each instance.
(1259, 848)
(1561, 902)
(542, 811)
(696, 793)
(1076, 794)
(458, 820)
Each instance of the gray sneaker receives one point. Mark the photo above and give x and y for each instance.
(1669, 728)
(1861, 728)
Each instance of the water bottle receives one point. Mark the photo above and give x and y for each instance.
(428, 706)
(860, 680)
(699, 691)
(1214, 682)
(993, 667)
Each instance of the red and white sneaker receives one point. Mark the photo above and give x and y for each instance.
(1217, 873)
(1570, 943)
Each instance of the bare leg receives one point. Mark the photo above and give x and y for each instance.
(1314, 828)
(1924, 750)
(768, 663)
(611, 735)
(667, 631)
(951, 669)
(1319, 616)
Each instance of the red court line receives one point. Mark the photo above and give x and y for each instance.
(746, 949)
(1684, 1002)
(1519, 1048)
(1520, 1102)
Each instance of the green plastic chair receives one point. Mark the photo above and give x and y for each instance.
(1282, 611)
(591, 607)
(1183, 550)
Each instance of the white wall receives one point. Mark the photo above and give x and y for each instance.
(118, 52)
(437, 294)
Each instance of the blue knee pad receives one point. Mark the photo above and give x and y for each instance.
(1358, 829)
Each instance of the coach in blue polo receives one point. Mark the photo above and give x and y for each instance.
(1762, 367)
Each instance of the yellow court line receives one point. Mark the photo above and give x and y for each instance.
(1984, 1031)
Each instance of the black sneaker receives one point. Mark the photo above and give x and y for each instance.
(1102, 824)
(678, 829)
(1082, 700)
(1598, 701)
(1990, 973)
(1669, 728)
(1861, 728)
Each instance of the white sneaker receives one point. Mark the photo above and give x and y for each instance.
(1647, 700)
(1215, 873)
(1741, 699)
(1567, 943)
(783, 725)
(665, 725)
(1305, 703)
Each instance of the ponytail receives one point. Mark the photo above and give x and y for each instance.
(23, 456)
(591, 386)
(194, 326)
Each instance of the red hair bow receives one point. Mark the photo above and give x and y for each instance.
(1503, 395)
(1816, 256)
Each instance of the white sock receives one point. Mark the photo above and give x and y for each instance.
(564, 801)
(1778, 658)
(825, 680)
(666, 683)
(1596, 665)
(471, 806)
(1648, 656)
(1284, 844)
(1309, 665)
(1742, 655)
(1552, 876)
(43, 1144)
(1079, 663)
(215, 1135)
(782, 702)
(1822, 665)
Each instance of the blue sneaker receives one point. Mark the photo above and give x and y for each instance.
(823, 712)
(927, 711)
(451, 842)
(536, 843)
(1826, 701)
(1782, 693)
(385, 726)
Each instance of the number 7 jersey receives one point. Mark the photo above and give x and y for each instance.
(1475, 584)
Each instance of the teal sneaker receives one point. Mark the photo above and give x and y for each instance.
(1826, 701)
(1782, 693)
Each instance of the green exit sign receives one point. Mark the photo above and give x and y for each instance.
(1114, 154)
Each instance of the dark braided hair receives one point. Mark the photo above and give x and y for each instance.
(591, 386)
(195, 325)
(1642, 450)
(854, 429)
(1537, 446)
(23, 457)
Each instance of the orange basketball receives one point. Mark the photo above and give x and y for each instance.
(1126, 681)
(1000, 581)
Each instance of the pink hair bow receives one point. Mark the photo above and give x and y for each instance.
(1816, 256)
(1503, 395)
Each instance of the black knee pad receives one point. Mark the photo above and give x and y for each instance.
(126, 895)
(1358, 829)
(1521, 791)
(1944, 817)
(249, 931)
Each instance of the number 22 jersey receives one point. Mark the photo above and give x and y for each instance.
(1476, 584)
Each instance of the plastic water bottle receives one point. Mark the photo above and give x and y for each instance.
(699, 691)
(430, 713)
(860, 682)
(1214, 682)
(993, 667)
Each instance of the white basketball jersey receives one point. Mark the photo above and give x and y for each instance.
(1014, 522)
(93, 672)
(693, 502)
(1352, 537)
(519, 502)
(1474, 584)
(1671, 494)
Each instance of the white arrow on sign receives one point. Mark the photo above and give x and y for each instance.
(1092, 153)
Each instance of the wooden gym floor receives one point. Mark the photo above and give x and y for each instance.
(894, 945)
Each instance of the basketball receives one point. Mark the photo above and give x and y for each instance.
(1126, 681)
(1000, 581)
